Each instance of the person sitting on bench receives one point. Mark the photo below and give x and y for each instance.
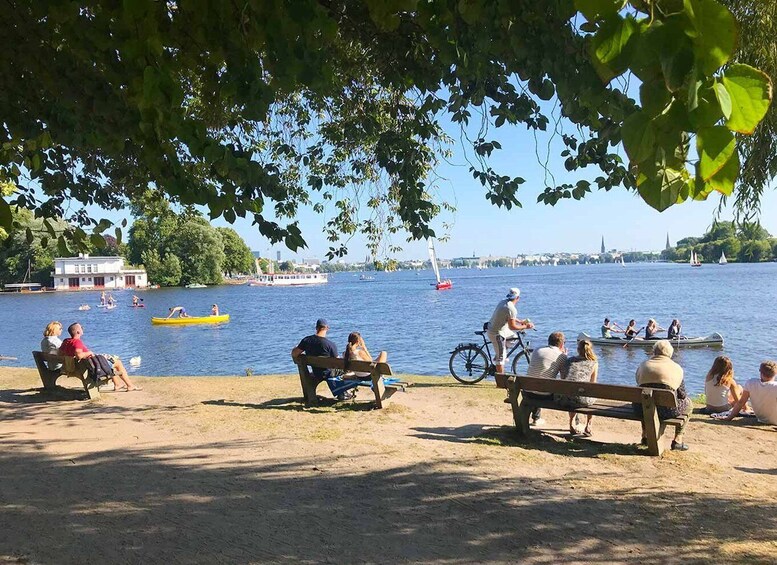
(661, 372)
(51, 343)
(546, 362)
(74, 347)
(356, 350)
(319, 345)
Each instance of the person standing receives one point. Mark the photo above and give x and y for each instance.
(504, 322)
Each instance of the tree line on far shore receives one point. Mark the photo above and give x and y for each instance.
(746, 243)
(175, 247)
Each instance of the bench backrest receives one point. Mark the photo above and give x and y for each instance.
(661, 397)
(338, 363)
(69, 364)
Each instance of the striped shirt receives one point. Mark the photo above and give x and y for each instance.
(546, 362)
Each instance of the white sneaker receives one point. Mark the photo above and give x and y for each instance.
(538, 422)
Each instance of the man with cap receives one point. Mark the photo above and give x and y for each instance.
(504, 321)
(317, 344)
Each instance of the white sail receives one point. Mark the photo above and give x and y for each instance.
(723, 259)
(623, 263)
(433, 260)
(693, 258)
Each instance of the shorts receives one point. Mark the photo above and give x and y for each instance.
(500, 348)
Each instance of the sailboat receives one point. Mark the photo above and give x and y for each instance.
(722, 260)
(440, 284)
(623, 263)
(695, 260)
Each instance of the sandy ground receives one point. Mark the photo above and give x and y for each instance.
(235, 470)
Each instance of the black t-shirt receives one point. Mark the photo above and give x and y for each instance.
(321, 346)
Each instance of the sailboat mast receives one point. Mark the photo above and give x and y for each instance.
(433, 260)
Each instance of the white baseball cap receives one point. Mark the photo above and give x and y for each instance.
(513, 293)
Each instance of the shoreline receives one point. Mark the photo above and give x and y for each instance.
(224, 470)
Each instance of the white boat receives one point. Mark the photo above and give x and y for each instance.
(440, 284)
(366, 278)
(695, 260)
(289, 279)
(712, 340)
(623, 263)
(196, 285)
(722, 260)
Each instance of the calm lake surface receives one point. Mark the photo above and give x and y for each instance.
(418, 326)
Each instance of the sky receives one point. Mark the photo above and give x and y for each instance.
(479, 228)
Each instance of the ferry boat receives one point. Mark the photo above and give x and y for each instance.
(289, 279)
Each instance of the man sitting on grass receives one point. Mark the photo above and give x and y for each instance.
(762, 394)
(74, 347)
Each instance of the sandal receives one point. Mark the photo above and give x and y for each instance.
(573, 431)
(587, 432)
(114, 389)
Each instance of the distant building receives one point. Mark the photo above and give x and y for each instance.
(85, 272)
(278, 255)
(667, 241)
(603, 251)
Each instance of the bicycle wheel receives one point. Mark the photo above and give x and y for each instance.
(468, 364)
(521, 362)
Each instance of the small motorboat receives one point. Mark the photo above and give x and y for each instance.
(135, 361)
(84, 307)
(366, 278)
(196, 285)
(712, 340)
(221, 318)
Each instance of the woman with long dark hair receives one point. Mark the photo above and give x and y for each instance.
(356, 350)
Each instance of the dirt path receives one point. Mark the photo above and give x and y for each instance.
(234, 470)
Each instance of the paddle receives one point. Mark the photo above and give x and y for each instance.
(636, 335)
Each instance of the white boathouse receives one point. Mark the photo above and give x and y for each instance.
(90, 273)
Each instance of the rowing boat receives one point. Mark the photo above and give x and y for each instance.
(712, 340)
(191, 320)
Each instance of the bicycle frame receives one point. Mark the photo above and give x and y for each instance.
(518, 343)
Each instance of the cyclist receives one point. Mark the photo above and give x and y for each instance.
(504, 321)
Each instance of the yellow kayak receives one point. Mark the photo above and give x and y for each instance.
(191, 320)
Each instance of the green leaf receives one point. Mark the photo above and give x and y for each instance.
(708, 111)
(714, 33)
(6, 217)
(595, 9)
(609, 47)
(663, 189)
(97, 241)
(639, 137)
(117, 233)
(28, 235)
(102, 225)
(723, 99)
(715, 147)
(724, 181)
(751, 93)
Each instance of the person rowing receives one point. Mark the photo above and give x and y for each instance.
(652, 329)
(675, 328)
(609, 328)
(631, 330)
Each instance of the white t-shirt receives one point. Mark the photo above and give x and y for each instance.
(763, 397)
(546, 362)
(503, 312)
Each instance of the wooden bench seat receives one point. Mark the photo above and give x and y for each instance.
(612, 401)
(71, 367)
(309, 382)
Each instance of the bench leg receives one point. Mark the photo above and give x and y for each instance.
(652, 427)
(309, 385)
(379, 388)
(520, 413)
(91, 388)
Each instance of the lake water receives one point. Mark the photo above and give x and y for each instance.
(418, 326)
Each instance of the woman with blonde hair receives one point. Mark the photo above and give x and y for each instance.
(583, 367)
(721, 390)
(51, 342)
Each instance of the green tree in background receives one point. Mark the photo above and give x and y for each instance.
(26, 248)
(200, 250)
(238, 258)
(749, 243)
(164, 272)
(286, 267)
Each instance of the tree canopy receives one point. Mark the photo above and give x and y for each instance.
(257, 108)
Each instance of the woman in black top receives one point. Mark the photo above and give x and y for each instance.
(674, 330)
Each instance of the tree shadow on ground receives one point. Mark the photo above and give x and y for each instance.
(326, 405)
(559, 443)
(39, 395)
(757, 471)
(169, 504)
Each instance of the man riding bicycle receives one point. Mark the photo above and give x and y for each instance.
(504, 321)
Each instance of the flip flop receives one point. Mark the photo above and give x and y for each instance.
(587, 433)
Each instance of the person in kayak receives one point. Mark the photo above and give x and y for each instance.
(674, 330)
(631, 330)
(180, 310)
(652, 329)
(609, 328)
(214, 310)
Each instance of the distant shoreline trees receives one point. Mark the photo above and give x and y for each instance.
(746, 243)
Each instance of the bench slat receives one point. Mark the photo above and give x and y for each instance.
(338, 363)
(595, 390)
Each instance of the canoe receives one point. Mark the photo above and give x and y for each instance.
(712, 340)
(191, 320)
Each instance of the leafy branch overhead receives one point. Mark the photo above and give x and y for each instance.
(256, 109)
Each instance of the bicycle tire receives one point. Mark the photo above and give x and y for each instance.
(468, 364)
(519, 357)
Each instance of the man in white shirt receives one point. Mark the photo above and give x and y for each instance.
(546, 362)
(504, 321)
(762, 394)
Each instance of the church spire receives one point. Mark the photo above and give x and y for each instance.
(667, 241)
(603, 251)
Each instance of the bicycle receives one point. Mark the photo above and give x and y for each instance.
(471, 363)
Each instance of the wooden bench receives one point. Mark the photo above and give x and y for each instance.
(71, 367)
(377, 371)
(609, 403)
